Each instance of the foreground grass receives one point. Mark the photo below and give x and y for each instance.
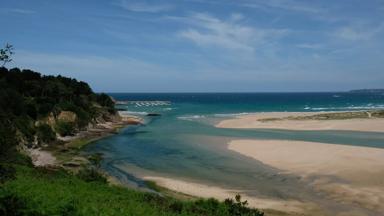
(36, 191)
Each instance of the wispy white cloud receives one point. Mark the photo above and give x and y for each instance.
(209, 30)
(291, 5)
(18, 10)
(311, 9)
(142, 6)
(310, 46)
(358, 32)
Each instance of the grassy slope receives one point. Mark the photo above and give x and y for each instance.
(46, 192)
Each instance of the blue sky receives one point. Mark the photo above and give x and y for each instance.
(201, 45)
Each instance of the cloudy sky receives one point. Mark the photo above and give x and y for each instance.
(201, 45)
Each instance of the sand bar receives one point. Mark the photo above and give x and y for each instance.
(349, 174)
(256, 121)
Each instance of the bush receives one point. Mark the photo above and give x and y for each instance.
(91, 175)
(106, 101)
(239, 208)
(25, 125)
(45, 133)
(65, 128)
(13, 205)
(95, 159)
(69, 208)
(7, 172)
(8, 140)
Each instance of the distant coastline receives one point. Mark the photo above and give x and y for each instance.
(367, 91)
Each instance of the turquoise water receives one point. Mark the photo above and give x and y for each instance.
(183, 143)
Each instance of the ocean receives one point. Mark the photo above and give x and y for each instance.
(183, 142)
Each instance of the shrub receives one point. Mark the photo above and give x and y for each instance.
(96, 159)
(176, 206)
(65, 128)
(13, 205)
(6, 173)
(91, 175)
(69, 208)
(8, 140)
(45, 133)
(239, 208)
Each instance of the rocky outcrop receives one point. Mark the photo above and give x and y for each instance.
(67, 116)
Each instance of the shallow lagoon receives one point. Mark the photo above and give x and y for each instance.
(184, 144)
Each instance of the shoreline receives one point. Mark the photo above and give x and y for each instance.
(304, 121)
(268, 205)
(68, 154)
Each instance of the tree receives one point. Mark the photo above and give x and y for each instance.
(6, 53)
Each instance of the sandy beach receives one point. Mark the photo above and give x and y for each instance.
(257, 121)
(345, 174)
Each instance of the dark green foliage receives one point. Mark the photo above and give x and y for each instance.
(45, 133)
(96, 159)
(69, 208)
(65, 128)
(91, 175)
(7, 140)
(106, 101)
(11, 204)
(6, 53)
(26, 96)
(7, 172)
(239, 208)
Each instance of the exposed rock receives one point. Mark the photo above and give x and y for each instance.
(132, 121)
(71, 164)
(153, 114)
(41, 158)
(67, 116)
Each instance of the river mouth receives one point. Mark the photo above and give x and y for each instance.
(185, 145)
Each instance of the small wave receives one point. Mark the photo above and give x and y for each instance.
(168, 109)
(191, 117)
(367, 107)
(230, 114)
(132, 113)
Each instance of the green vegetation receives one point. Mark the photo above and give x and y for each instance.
(35, 107)
(65, 128)
(333, 116)
(55, 192)
(45, 133)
